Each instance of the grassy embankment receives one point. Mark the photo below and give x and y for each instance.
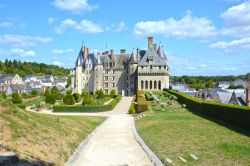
(44, 138)
(175, 132)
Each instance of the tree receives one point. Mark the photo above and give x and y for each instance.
(99, 94)
(69, 100)
(113, 93)
(87, 100)
(69, 92)
(47, 92)
(34, 92)
(16, 98)
(50, 99)
(77, 97)
(54, 90)
(68, 82)
(209, 84)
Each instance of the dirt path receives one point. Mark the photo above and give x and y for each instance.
(113, 142)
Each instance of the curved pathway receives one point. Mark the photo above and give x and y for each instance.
(113, 142)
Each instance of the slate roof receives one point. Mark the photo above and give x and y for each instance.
(133, 58)
(238, 99)
(80, 60)
(224, 97)
(6, 77)
(151, 54)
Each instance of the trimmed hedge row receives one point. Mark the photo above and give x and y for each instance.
(142, 104)
(87, 108)
(148, 97)
(239, 115)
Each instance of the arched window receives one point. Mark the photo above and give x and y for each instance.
(151, 85)
(155, 85)
(146, 86)
(159, 85)
(142, 85)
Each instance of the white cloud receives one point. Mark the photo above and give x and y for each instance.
(23, 41)
(238, 15)
(187, 26)
(202, 66)
(21, 52)
(61, 51)
(6, 24)
(84, 26)
(237, 19)
(57, 63)
(74, 6)
(51, 20)
(234, 44)
(120, 26)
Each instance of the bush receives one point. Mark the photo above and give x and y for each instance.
(16, 98)
(24, 94)
(34, 92)
(87, 100)
(132, 108)
(3, 95)
(77, 97)
(69, 92)
(142, 104)
(50, 99)
(166, 94)
(69, 100)
(238, 115)
(113, 93)
(47, 92)
(148, 97)
(87, 108)
(99, 94)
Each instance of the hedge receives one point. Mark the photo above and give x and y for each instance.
(239, 115)
(148, 97)
(142, 104)
(87, 108)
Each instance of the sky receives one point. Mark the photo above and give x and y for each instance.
(199, 37)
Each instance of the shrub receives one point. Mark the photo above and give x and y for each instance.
(113, 93)
(99, 94)
(87, 100)
(69, 92)
(34, 92)
(50, 99)
(148, 97)
(132, 108)
(84, 93)
(77, 97)
(24, 94)
(166, 94)
(16, 98)
(3, 95)
(142, 104)
(87, 108)
(47, 92)
(69, 100)
(54, 90)
(238, 115)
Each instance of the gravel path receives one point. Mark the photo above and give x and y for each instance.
(113, 142)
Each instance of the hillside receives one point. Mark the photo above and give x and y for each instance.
(46, 139)
(26, 68)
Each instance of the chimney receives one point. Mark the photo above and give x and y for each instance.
(155, 47)
(85, 52)
(123, 51)
(150, 41)
(112, 52)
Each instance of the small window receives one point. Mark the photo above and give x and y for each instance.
(113, 78)
(106, 85)
(106, 78)
(113, 71)
(113, 85)
(151, 67)
(106, 71)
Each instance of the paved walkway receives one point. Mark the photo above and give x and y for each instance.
(113, 142)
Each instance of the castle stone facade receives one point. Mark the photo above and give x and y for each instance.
(123, 72)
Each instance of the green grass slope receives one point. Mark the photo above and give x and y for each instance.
(175, 132)
(45, 138)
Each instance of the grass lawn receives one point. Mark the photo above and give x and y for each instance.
(175, 132)
(44, 138)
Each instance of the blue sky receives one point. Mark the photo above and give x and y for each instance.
(199, 37)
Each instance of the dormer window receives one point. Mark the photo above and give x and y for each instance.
(151, 67)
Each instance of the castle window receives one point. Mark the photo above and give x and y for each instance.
(142, 85)
(151, 67)
(106, 71)
(113, 78)
(159, 67)
(113, 71)
(106, 91)
(146, 85)
(106, 85)
(113, 85)
(106, 78)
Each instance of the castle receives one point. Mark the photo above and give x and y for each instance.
(123, 72)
